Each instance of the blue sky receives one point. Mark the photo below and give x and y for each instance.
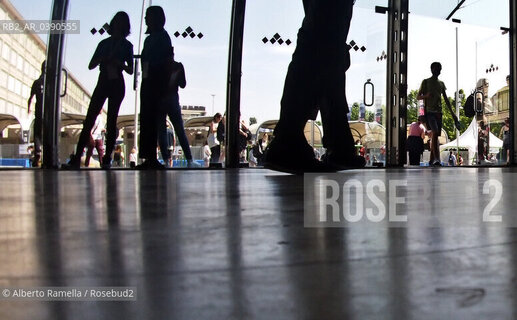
(264, 65)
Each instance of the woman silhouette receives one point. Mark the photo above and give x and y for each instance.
(114, 55)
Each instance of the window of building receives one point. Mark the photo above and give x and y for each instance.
(6, 51)
(10, 83)
(13, 57)
(17, 87)
(19, 63)
(25, 91)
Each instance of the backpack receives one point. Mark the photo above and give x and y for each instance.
(468, 107)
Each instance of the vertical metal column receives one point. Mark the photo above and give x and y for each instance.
(233, 91)
(396, 82)
(51, 99)
(513, 82)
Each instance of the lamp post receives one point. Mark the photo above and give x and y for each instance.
(213, 99)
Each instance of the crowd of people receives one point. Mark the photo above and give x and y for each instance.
(303, 98)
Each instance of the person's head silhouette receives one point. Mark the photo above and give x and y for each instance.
(120, 25)
(154, 19)
(436, 68)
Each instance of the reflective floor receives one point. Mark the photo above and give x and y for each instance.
(231, 244)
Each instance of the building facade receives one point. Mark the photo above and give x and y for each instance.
(21, 56)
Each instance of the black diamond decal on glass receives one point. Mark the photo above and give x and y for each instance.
(265, 40)
(276, 36)
(378, 59)
(352, 43)
(272, 40)
(200, 35)
(184, 34)
(189, 30)
(93, 31)
(363, 49)
(101, 31)
(192, 35)
(280, 41)
(288, 42)
(348, 47)
(356, 48)
(177, 34)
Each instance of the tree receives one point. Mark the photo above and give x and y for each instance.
(253, 120)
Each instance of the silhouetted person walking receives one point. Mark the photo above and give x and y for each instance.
(37, 128)
(114, 55)
(315, 82)
(431, 91)
(155, 59)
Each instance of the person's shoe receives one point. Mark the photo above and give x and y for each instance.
(344, 162)
(437, 163)
(35, 161)
(296, 157)
(106, 163)
(150, 165)
(193, 164)
(73, 164)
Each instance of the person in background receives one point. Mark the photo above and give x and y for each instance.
(431, 91)
(415, 141)
(118, 157)
(170, 106)
(213, 142)
(37, 90)
(504, 134)
(132, 158)
(452, 159)
(206, 154)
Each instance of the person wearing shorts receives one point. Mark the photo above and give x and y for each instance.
(431, 91)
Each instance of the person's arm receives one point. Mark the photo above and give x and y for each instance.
(423, 131)
(29, 103)
(33, 93)
(423, 94)
(96, 58)
(182, 81)
(128, 65)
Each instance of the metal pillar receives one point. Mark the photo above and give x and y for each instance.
(233, 91)
(396, 82)
(513, 83)
(51, 100)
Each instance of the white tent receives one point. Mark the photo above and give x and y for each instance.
(469, 140)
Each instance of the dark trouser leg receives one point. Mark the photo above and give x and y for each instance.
(89, 152)
(216, 154)
(414, 158)
(163, 140)
(148, 119)
(99, 145)
(97, 101)
(174, 111)
(37, 132)
(38, 129)
(117, 92)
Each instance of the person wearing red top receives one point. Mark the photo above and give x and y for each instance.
(415, 141)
